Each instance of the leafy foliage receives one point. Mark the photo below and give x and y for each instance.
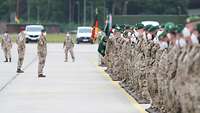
(58, 11)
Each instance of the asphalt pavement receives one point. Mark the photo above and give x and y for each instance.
(70, 87)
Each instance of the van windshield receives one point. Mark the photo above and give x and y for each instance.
(84, 30)
(34, 29)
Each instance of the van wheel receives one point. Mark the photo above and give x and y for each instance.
(27, 41)
(77, 42)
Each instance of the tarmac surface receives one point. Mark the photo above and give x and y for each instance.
(70, 87)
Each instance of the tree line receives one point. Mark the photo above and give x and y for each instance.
(72, 11)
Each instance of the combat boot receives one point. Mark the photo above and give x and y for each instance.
(9, 59)
(20, 71)
(6, 60)
(41, 75)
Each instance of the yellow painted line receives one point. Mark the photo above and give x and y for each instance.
(130, 98)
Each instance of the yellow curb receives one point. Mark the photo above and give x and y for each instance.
(130, 98)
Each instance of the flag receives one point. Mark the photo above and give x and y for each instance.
(95, 27)
(107, 29)
(108, 25)
(17, 20)
(102, 46)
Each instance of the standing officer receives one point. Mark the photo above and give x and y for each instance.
(21, 43)
(69, 46)
(6, 45)
(42, 53)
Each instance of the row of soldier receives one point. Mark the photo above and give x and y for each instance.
(6, 45)
(156, 64)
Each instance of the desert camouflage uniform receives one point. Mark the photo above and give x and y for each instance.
(42, 53)
(69, 46)
(152, 77)
(6, 45)
(162, 73)
(21, 42)
(171, 99)
(109, 53)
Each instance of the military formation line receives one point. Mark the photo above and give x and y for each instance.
(157, 65)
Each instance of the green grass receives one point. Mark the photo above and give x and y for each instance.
(51, 38)
(55, 38)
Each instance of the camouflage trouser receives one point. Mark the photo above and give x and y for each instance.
(7, 52)
(21, 53)
(71, 51)
(101, 60)
(42, 59)
(153, 87)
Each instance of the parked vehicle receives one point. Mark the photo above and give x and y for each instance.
(153, 23)
(33, 32)
(84, 34)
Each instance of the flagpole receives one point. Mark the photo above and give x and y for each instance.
(84, 12)
(70, 11)
(78, 8)
(17, 9)
(28, 5)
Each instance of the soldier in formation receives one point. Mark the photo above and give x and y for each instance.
(158, 65)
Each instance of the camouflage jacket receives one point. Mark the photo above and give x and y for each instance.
(6, 42)
(68, 43)
(42, 45)
(21, 41)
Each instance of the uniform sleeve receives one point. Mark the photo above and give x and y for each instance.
(2, 41)
(72, 41)
(17, 39)
(40, 41)
(64, 44)
(10, 40)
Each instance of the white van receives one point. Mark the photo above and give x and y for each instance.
(33, 32)
(84, 34)
(153, 23)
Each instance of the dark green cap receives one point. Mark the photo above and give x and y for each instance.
(162, 26)
(153, 28)
(127, 27)
(179, 28)
(139, 26)
(117, 27)
(132, 27)
(170, 27)
(162, 35)
(122, 26)
(192, 19)
(198, 27)
(146, 28)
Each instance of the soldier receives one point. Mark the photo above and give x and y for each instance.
(195, 35)
(180, 40)
(152, 31)
(68, 46)
(100, 35)
(42, 53)
(191, 22)
(139, 30)
(21, 42)
(163, 41)
(198, 29)
(6, 45)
